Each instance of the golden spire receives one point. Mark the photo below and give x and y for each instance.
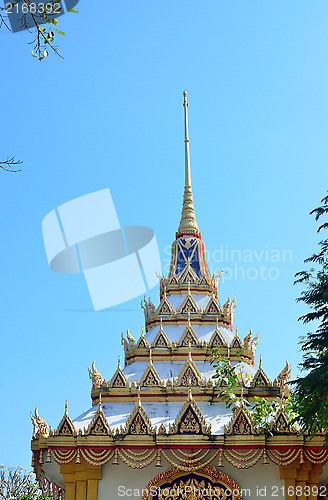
(188, 224)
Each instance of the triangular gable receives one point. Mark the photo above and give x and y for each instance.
(138, 422)
(204, 280)
(241, 423)
(282, 424)
(161, 340)
(174, 280)
(98, 425)
(118, 380)
(165, 307)
(142, 343)
(213, 307)
(217, 339)
(188, 276)
(190, 420)
(260, 379)
(150, 377)
(189, 374)
(188, 338)
(65, 427)
(236, 343)
(188, 306)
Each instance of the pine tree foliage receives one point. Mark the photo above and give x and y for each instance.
(311, 390)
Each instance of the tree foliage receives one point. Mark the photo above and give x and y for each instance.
(33, 15)
(17, 483)
(310, 391)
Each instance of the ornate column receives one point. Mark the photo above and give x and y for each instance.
(313, 481)
(289, 475)
(81, 480)
(301, 479)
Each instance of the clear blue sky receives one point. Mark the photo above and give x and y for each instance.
(110, 115)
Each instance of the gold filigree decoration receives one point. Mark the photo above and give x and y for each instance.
(165, 307)
(260, 379)
(65, 427)
(40, 423)
(95, 376)
(138, 422)
(282, 423)
(119, 379)
(213, 307)
(161, 339)
(241, 423)
(236, 342)
(217, 339)
(217, 480)
(188, 337)
(188, 306)
(98, 425)
(189, 374)
(150, 377)
(190, 420)
(142, 343)
(204, 280)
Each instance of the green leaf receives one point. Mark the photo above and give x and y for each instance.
(72, 10)
(61, 33)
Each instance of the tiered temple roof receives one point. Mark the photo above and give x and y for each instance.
(165, 395)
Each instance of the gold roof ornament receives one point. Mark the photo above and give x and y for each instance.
(188, 224)
(40, 423)
(95, 376)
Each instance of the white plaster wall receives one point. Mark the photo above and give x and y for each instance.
(262, 480)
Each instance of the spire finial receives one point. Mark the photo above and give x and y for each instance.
(188, 222)
(119, 362)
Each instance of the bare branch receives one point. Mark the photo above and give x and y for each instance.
(10, 162)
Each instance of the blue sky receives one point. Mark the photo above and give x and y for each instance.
(110, 115)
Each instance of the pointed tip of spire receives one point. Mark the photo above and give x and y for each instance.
(99, 402)
(119, 362)
(188, 224)
(66, 413)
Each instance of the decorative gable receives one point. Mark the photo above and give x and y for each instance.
(217, 339)
(241, 423)
(213, 307)
(281, 424)
(65, 427)
(161, 339)
(174, 280)
(236, 342)
(138, 422)
(189, 375)
(119, 379)
(165, 307)
(188, 338)
(260, 379)
(188, 306)
(190, 420)
(204, 280)
(142, 343)
(98, 425)
(189, 276)
(150, 377)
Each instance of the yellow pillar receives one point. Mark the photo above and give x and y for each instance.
(289, 474)
(81, 480)
(313, 481)
(301, 480)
